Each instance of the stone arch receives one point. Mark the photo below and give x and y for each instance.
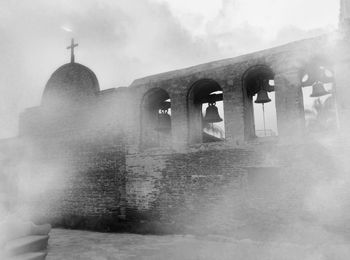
(253, 79)
(155, 118)
(202, 94)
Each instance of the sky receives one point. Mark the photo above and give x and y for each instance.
(122, 40)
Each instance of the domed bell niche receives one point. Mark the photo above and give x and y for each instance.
(212, 114)
(164, 119)
(318, 90)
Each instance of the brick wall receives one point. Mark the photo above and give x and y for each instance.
(214, 187)
(218, 188)
(176, 187)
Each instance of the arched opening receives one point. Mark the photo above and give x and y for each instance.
(260, 119)
(156, 119)
(318, 88)
(206, 112)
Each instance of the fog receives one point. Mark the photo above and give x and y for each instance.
(121, 41)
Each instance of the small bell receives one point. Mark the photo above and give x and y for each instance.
(212, 114)
(318, 90)
(164, 121)
(262, 97)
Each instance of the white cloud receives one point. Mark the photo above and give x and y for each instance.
(270, 15)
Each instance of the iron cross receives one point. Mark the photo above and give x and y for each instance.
(71, 47)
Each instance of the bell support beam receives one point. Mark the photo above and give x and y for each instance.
(289, 104)
(212, 98)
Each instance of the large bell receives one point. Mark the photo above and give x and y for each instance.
(212, 114)
(164, 121)
(263, 97)
(318, 90)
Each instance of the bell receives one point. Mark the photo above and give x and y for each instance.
(318, 90)
(164, 121)
(263, 97)
(212, 114)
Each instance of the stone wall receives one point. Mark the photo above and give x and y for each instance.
(214, 187)
(180, 188)
(219, 188)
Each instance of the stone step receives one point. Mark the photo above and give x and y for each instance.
(30, 256)
(26, 244)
